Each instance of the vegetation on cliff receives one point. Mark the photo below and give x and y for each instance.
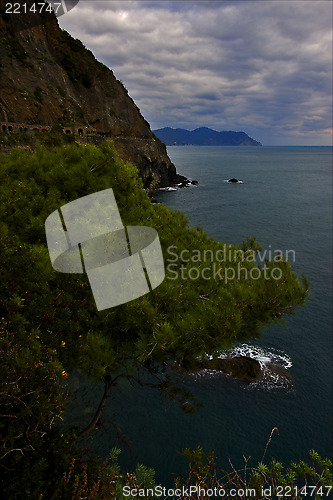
(48, 77)
(50, 326)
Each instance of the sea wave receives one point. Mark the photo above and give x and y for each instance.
(262, 354)
(169, 188)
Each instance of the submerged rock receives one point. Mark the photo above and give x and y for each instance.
(241, 367)
(187, 183)
(247, 369)
(279, 371)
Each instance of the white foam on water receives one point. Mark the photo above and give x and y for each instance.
(270, 380)
(261, 354)
(168, 189)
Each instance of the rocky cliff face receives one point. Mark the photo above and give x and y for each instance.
(48, 77)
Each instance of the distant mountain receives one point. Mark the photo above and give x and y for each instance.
(203, 137)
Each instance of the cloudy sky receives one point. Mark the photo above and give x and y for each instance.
(260, 66)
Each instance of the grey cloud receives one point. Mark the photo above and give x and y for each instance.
(217, 63)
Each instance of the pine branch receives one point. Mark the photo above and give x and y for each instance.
(107, 386)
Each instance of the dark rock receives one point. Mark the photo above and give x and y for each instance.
(194, 182)
(184, 184)
(241, 367)
(233, 179)
(280, 371)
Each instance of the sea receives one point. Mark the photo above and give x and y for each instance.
(285, 200)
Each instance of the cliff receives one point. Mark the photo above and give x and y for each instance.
(203, 137)
(47, 77)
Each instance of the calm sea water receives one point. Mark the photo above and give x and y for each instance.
(286, 201)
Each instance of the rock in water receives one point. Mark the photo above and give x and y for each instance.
(241, 367)
(281, 372)
(245, 368)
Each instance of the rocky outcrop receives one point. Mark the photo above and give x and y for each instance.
(242, 367)
(247, 369)
(151, 158)
(277, 371)
(48, 77)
